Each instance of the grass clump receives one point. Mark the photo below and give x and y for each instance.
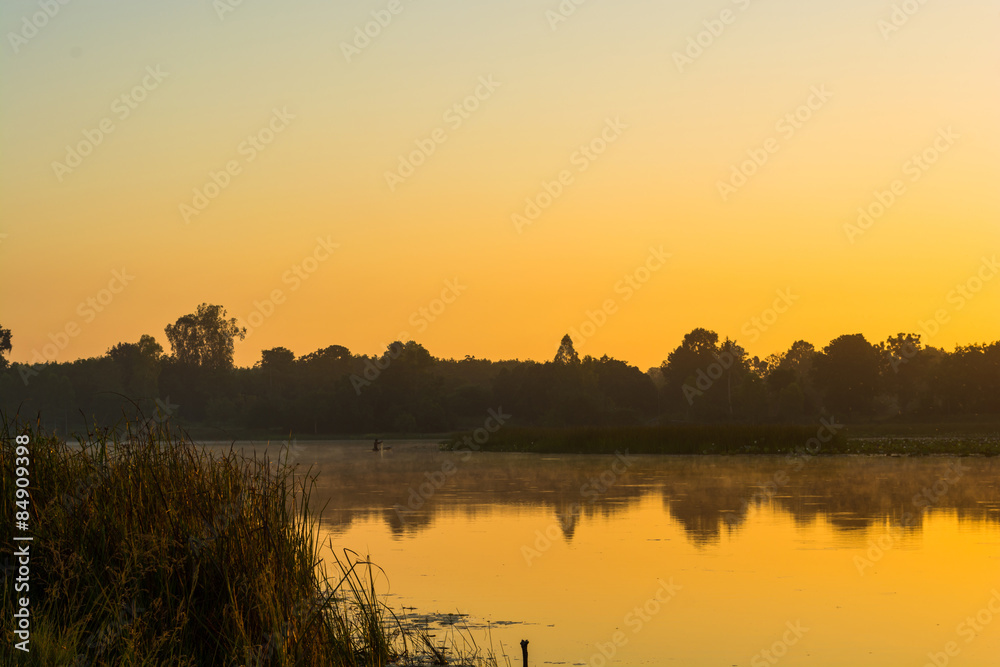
(150, 551)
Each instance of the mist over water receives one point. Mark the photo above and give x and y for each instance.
(679, 560)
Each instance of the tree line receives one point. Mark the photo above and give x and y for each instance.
(407, 390)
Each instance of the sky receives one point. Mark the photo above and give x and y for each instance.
(484, 177)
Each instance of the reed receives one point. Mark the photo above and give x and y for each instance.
(151, 551)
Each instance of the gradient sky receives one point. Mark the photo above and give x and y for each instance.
(656, 185)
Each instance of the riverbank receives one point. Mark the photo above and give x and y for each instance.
(825, 438)
(146, 550)
(979, 437)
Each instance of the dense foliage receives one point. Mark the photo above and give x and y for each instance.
(407, 390)
(150, 551)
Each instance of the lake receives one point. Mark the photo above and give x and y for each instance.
(632, 560)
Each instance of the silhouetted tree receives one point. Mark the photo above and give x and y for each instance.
(627, 394)
(847, 373)
(5, 346)
(567, 353)
(281, 357)
(205, 338)
(139, 365)
(969, 379)
(146, 348)
(277, 361)
(329, 358)
(686, 379)
(408, 389)
(905, 371)
(789, 381)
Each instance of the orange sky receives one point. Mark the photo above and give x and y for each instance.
(614, 122)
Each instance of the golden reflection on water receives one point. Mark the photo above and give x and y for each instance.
(840, 561)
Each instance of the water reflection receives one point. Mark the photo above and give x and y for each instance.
(880, 560)
(708, 496)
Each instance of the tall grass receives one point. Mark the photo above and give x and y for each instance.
(150, 551)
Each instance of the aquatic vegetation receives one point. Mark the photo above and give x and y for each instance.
(670, 439)
(148, 550)
(723, 439)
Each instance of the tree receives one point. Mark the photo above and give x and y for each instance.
(799, 359)
(147, 348)
(567, 354)
(5, 346)
(970, 379)
(329, 358)
(277, 357)
(323, 394)
(789, 380)
(706, 380)
(627, 394)
(205, 338)
(685, 370)
(905, 369)
(847, 371)
(278, 363)
(139, 365)
(900, 349)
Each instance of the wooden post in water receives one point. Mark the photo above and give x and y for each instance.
(524, 651)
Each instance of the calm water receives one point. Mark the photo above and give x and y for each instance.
(681, 560)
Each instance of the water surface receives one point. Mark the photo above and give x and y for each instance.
(681, 560)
